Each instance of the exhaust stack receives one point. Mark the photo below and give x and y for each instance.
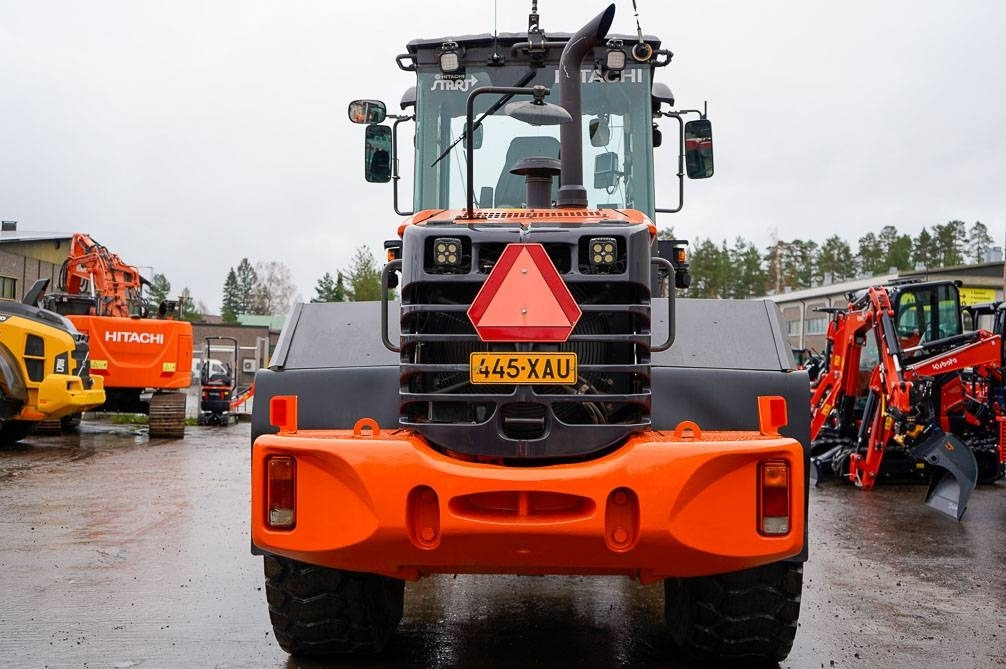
(572, 193)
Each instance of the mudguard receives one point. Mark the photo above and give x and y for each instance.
(13, 391)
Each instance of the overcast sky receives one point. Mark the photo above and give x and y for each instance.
(187, 135)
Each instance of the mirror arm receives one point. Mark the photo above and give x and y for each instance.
(394, 162)
(676, 115)
(681, 162)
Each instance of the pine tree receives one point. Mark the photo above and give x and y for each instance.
(925, 250)
(951, 238)
(190, 312)
(158, 289)
(835, 262)
(364, 277)
(247, 280)
(329, 289)
(979, 242)
(870, 255)
(747, 270)
(232, 298)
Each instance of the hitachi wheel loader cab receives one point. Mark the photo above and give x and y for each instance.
(44, 372)
(520, 407)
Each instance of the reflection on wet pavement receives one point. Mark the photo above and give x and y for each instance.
(119, 551)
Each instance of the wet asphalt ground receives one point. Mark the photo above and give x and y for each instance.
(120, 551)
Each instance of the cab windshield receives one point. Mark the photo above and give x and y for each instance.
(617, 139)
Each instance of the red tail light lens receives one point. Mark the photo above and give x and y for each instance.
(281, 498)
(773, 497)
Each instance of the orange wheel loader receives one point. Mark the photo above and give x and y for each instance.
(520, 408)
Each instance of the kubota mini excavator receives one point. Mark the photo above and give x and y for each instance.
(219, 394)
(895, 390)
(142, 351)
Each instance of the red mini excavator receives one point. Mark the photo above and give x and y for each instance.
(901, 396)
(143, 351)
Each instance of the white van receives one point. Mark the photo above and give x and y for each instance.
(217, 368)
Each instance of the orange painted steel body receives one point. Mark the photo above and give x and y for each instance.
(138, 352)
(530, 217)
(665, 504)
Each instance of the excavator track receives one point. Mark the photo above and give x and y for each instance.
(167, 415)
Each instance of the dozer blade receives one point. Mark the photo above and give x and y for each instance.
(954, 481)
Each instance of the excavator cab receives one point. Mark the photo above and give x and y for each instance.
(218, 381)
(925, 313)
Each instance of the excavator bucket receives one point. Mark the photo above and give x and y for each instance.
(955, 475)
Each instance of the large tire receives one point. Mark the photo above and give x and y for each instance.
(13, 431)
(317, 612)
(743, 616)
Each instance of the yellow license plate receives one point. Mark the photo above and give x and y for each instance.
(532, 368)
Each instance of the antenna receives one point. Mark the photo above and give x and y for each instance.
(496, 58)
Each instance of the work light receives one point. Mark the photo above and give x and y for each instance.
(602, 252)
(447, 251)
(450, 59)
(614, 59)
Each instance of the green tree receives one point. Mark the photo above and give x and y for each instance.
(328, 289)
(798, 263)
(896, 249)
(705, 266)
(363, 276)
(747, 270)
(870, 255)
(232, 298)
(951, 238)
(925, 250)
(979, 242)
(835, 261)
(158, 289)
(190, 312)
(247, 280)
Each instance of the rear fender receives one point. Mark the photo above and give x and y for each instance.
(12, 383)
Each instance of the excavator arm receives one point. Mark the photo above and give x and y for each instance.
(898, 408)
(91, 268)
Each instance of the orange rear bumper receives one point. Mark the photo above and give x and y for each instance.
(658, 507)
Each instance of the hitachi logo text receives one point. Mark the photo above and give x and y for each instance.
(134, 337)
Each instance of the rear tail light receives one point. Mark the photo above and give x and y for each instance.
(281, 475)
(773, 497)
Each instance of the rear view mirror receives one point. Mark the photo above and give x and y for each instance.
(367, 111)
(600, 132)
(377, 154)
(699, 149)
(606, 170)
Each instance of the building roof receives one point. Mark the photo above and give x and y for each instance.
(14, 236)
(831, 289)
(274, 323)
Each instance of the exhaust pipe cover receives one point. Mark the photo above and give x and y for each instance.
(572, 193)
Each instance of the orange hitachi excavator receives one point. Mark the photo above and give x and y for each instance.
(894, 390)
(143, 351)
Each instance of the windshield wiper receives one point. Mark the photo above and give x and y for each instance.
(528, 76)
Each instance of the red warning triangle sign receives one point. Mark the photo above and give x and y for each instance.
(524, 299)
